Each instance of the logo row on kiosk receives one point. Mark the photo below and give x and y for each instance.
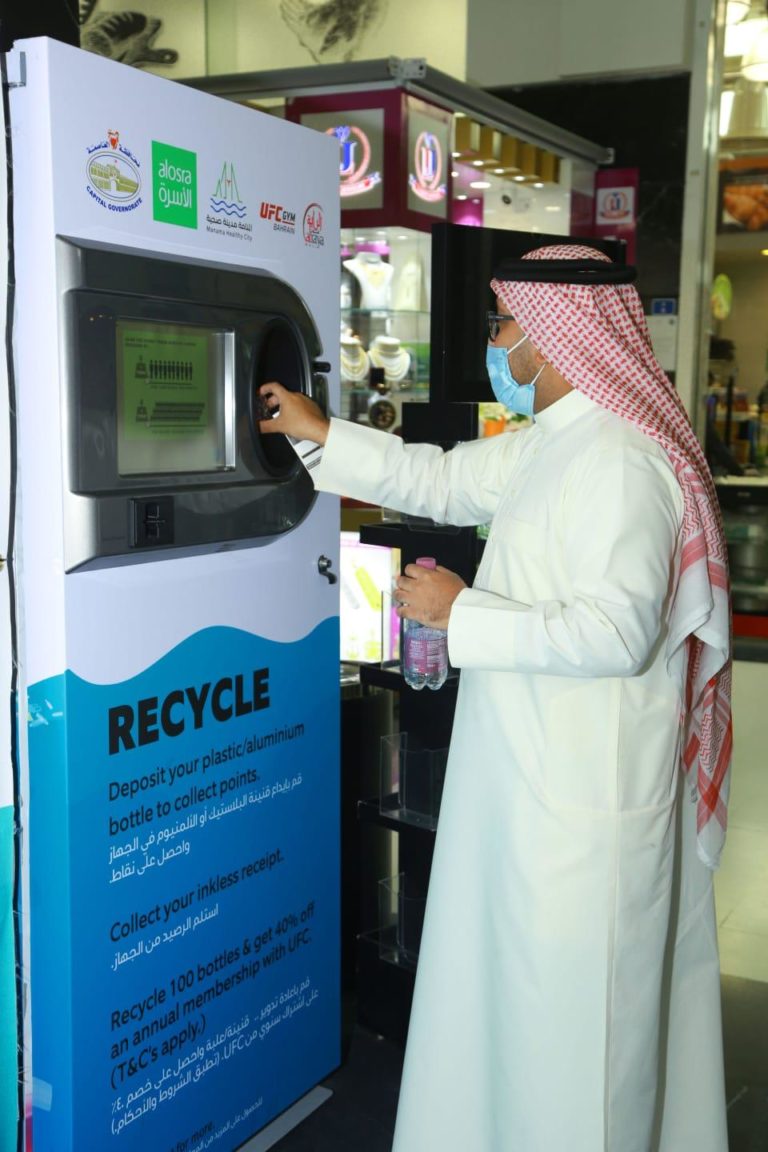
(115, 181)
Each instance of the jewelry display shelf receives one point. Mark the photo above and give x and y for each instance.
(386, 322)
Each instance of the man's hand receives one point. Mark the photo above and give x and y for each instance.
(427, 595)
(297, 415)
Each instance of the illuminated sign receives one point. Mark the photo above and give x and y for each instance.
(615, 206)
(355, 159)
(429, 146)
(428, 162)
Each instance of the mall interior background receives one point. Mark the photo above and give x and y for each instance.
(642, 79)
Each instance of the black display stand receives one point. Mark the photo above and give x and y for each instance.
(385, 985)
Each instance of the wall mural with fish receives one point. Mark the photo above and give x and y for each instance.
(184, 38)
(333, 31)
(162, 36)
(124, 36)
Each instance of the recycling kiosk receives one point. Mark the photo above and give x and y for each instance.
(177, 610)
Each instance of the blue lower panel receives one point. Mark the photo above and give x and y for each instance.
(184, 843)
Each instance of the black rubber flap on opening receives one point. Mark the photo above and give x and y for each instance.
(280, 356)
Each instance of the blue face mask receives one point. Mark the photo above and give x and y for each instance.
(513, 395)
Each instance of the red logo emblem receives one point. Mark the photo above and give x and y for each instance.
(313, 226)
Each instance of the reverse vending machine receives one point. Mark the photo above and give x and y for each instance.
(177, 610)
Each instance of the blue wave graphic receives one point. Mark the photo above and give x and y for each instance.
(228, 207)
(246, 913)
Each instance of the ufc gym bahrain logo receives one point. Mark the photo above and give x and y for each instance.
(282, 219)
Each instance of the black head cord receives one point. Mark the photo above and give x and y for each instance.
(565, 272)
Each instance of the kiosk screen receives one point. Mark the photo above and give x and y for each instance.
(175, 398)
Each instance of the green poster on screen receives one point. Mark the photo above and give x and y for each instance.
(165, 381)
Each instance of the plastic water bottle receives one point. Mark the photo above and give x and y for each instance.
(425, 649)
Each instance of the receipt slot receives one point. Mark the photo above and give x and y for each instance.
(162, 360)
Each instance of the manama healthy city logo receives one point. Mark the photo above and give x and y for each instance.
(174, 185)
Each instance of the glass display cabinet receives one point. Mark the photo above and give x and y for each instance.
(385, 323)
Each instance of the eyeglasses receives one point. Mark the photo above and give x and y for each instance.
(495, 320)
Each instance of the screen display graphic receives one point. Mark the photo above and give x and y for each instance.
(174, 397)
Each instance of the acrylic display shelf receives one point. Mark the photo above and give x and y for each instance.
(401, 920)
(411, 780)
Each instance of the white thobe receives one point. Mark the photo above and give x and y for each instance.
(567, 993)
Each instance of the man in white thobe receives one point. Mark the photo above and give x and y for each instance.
(567, 994)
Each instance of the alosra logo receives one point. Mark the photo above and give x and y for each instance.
(174, 185)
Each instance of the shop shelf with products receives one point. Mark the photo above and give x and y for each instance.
(744, 505)
(413, 760)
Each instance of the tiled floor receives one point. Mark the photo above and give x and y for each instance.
(745, 1026)
(361, 1113)
(741, 885)
(741, 892)
(360, 1116)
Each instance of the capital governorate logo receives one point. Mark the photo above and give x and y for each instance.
(174, 185)
(113, 174)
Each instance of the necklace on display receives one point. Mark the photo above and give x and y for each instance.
(389, 355)
(374, 278)
(355, 364)
(375, 273)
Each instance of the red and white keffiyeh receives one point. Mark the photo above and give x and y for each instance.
(596, 337)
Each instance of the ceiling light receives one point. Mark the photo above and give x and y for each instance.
(519, 178)
(739, 37)
(461, 196)
(754, 63)
(748, 113)
(479, 183)
(736, 11)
